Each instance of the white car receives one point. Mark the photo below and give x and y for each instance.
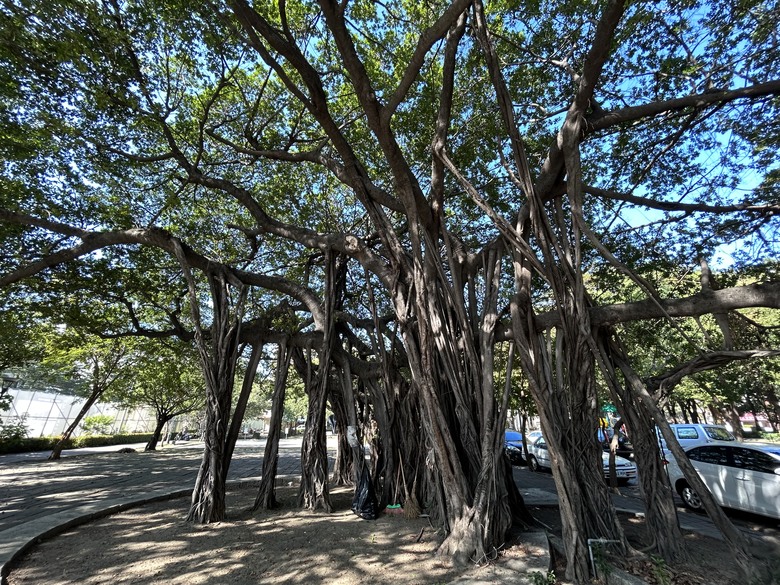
(692, 435)
(539, 457)
(743, 476)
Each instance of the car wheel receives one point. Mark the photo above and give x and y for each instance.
(690, 497)
(533, 463)
(623, 481)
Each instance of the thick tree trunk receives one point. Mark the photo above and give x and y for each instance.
(266, 494)
(218, 356)
(208, 496)
(663, 528)
(314, 492)
(452, 367)
(561, 379)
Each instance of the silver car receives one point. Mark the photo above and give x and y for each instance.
(539, 458)
(743, 476)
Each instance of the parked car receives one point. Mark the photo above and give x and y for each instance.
(691, 435)
(743, 476)
(532, 436)
(539, 458)
(513, 447)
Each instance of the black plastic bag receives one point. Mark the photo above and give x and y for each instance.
(364, 503)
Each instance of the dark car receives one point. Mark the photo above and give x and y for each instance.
(513, 447)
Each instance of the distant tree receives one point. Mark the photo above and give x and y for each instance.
(92, 366)
(166, 377)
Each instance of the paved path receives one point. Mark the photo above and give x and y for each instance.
(39, 498)
(88, 476)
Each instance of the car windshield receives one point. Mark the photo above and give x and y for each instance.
(719, 434)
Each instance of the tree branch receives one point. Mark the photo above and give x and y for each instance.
(605, 120)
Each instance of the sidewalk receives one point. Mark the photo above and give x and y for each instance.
(40, 498)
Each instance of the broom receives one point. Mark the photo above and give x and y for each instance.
(411, 506)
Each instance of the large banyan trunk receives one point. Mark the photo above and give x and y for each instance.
(266, 494)
(452, 366)
(663, 527)
(218, 356)
(314, 492)
(566, 405)
(561, 373)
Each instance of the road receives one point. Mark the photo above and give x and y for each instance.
(630, 499)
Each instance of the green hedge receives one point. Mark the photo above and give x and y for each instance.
(47, 443)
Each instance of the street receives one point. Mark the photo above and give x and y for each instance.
(630, 499)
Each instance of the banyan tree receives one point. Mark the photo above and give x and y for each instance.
(387, 196)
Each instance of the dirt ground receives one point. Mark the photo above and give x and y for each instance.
(153, 544)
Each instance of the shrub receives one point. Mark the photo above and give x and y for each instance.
(97, 424)
(25, 445)
(13, 431)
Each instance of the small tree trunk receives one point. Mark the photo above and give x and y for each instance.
(162, 418)
(97, 392)
(266, 494)
(736, 424)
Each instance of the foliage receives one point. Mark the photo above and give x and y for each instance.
(661, 572)
(165, 377)
(84, 361)
(538, 578)
(13, 431)
(97, 424)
